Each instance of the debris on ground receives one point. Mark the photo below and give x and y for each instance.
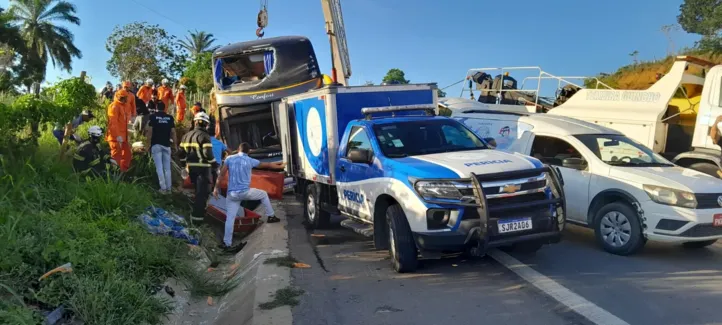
(65, 268)
(160, 222)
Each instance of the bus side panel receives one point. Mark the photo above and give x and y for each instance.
(312, 141)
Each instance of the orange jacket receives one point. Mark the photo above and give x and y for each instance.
(181, 105)
(130, 106)
(145, 93)
(165, 94)
(117, 121)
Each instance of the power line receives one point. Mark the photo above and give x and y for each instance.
(160, 14)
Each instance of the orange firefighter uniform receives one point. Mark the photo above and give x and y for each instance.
(165, 94)
(117, 136)
(145, 93)
(130, 103)
(180, 106)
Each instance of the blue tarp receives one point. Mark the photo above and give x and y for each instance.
(218, 73)
(160, 222)
(268, 61)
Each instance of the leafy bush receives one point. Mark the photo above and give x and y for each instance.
(50, 216)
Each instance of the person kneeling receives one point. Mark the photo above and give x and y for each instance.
(88, 158)
(238, 170)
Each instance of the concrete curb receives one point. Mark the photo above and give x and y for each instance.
(258, 283)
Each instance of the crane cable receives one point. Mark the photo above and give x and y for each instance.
(262, 20)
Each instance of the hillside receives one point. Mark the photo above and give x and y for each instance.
(644, 74)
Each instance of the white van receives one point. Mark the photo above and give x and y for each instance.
(614, 185)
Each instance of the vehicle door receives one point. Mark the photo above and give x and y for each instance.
(353, 168)
(558, 152)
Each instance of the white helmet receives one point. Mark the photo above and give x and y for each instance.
(202, 117)
(164, 81)
(149, 81)
(183, 87)
(95, 131)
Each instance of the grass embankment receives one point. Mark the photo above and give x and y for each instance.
(49, 216)
(642, 75)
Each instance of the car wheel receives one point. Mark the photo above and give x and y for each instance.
(618, 230)
(698, 244)
(313, 214)
(404, 256)
(707, 168)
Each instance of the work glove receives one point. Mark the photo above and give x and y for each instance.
(119, 139)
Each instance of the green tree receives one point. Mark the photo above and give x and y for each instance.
(140, 51)
(702, 17)
(200, 72)
(199, 42)
(395, 76)
(45, 39)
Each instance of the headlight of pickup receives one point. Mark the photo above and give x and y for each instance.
(670, 196)
(436, 189)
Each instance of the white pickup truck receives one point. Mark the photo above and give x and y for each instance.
(618, 187)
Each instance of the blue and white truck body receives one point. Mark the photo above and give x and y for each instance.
(419, 183)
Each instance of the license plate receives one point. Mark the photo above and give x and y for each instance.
(717, 221)
(513, 225)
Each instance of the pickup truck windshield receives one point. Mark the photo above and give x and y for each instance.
(425, 137)
(618, 150)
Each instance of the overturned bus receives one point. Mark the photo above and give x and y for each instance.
(250, 80)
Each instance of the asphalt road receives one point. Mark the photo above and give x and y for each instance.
(349, 283)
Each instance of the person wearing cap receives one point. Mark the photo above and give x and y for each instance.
(107, 91)
(165, 94)
(146, 91)
(180, 104)
(196, 156)
(118, 130)
(160, 136)
(89, 158)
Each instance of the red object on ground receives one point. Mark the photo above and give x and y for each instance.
(271, 182)
(247, 223)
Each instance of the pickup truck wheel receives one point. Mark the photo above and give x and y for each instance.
(402, 247)
(698, 244)
(705, 167)
(618, 230)
(312, 212)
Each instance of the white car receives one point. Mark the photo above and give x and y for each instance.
(621, 189)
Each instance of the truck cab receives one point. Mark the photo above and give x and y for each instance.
(614, 185)
(420, 184)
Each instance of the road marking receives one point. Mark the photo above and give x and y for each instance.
(563, 295)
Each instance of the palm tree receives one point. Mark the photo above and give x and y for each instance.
(45, 39)
(199, 42)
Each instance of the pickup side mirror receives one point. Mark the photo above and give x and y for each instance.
(359, 156)
(574, 163)
(491, 142)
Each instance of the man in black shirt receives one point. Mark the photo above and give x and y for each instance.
(142, 112)
(155, 104)
(160, 136)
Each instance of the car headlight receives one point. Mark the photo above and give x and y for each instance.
(435, 189)
(670, 196)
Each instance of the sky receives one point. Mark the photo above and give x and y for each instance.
(431, 41)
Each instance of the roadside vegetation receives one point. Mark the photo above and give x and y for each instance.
(699, 17)
(49, 216)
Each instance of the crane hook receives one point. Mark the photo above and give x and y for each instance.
(262, 20)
